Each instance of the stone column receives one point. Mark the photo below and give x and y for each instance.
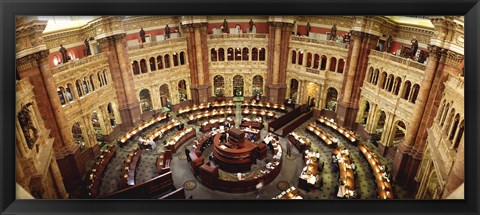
(356, 69)
(400, 171)
(278, 39)
(57, 177)
(122, 77)
(196, 35)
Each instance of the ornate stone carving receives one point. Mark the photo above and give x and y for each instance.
(28, 128)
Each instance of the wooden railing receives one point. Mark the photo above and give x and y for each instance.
(149, 189)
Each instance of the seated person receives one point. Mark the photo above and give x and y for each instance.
(342, 190)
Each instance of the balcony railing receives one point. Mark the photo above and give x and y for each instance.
(457, 83)
(243, 35)
(317, 41)
(398, 59)
(76, 63)
(156, 43)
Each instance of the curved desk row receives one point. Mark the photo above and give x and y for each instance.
(261, 112)
(215, 123)
(346, 173)
(129, 171)
(384, 187)
(98, 169)
(267, 105)
(207, 114)
(205, 106)
(133, 133)
(178, 140)
(327, 138)
(349, 135)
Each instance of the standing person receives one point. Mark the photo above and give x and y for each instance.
(413, 49)
(87, 47)
(63, 51)
(388, 44)
(225, 26)
(142, 35)
(259, 191)
(167, 32)
(289, 148)
(187, 153)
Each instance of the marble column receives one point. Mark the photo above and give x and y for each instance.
(57, 177)
(457, 174)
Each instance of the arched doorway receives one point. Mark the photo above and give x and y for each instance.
(111, 115)
(182, 90)
(257, 85)
(145, 100)
(312, 93)
(97, 128)
(238, 85)
(218, 85)
(78, 135)
(398, 132)
(165, 99)
(332, 96)
(293, 89)
(380, 123)
(364, 113)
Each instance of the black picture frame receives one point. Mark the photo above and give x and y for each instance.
(9, 9)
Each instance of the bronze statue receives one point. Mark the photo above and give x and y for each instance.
(388, 45)
(167, 32)
(333, 32)
(87, 47)
(251, 25)
(63, 51)
(28, 128)
(308, 29)
(225, 26)
(142, 35)
(413, 49)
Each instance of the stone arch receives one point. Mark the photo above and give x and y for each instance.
(165, 98)
(331, 99)
(145, 100)
(182, 90)
(238, 84)
(257, 85)
(399, 131)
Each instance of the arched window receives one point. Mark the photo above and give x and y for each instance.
(71, 54)
(85, 86)
(213, 54)
(341, 65)
(300, 57)
(389, 83)
(415, 91)
(406, 92)
(143, 66)
(262, 54)
(92, 84)
(78, 135)
(135, 68)
(175, 59)
(449, 121)
(182, 90)
(257, 85)
(323, 66)
(182, 58)
(369, 75)
(245, 53)
(255, 54)
(221, 54)
(444, 115)
(309, 59)
(316, 61)
(69, 93)
(332, 96)
(238, 85)
(159, 62)
(218, 85)
(333, 64)
(383, 80)
(375, 77)
(166, 58)
(105, 77)
(459, 135)
(61, 95)
(294, 57)
(230, 54)
(453, 130)
(97, 128)
(100, 79)
(78, 84)
(238, 54)
(440, 111)
(397, 85)
(145, 100)
(152, 64)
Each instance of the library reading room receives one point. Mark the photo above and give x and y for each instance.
(240, 107)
